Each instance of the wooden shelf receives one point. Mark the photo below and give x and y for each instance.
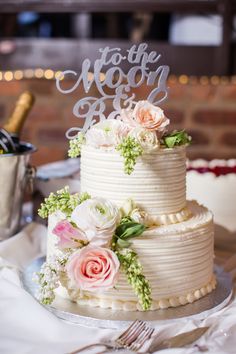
(53, 54)
(73, 6)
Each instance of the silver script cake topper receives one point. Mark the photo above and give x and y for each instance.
(117, 85)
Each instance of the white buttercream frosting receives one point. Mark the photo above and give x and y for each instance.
(157, 183)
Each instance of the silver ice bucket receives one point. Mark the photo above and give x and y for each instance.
(15, 175)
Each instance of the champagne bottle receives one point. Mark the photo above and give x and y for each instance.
(11, 130)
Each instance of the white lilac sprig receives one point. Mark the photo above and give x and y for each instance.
(75, 145)
(48, 277)
(134, 273)
(61, 200)
(130, 149)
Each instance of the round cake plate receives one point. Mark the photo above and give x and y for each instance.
(107, 318)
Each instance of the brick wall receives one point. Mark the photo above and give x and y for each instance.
(205, 108)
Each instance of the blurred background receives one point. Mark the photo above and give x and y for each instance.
(196, 38)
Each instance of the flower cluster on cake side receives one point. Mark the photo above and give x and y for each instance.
(135, 132)
(94, 242)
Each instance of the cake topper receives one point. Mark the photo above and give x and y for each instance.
(117, 85)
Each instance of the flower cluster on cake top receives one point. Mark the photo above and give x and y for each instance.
(93, 236)
(137, 131)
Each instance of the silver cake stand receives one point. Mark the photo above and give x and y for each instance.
(107, 318)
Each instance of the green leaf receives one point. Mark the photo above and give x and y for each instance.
(129, 229)
(170, 141)
(176, 138)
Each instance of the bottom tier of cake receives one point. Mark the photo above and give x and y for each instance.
(177, 260)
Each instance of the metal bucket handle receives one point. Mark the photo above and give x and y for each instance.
(30, 176)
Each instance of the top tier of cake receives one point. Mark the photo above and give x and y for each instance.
(157, 184)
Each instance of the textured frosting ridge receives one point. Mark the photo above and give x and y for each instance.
(158, 183)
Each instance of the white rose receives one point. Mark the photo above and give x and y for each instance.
(107, 133)
(98, 218)
(127, 207)
(146, 138)
(139, 216)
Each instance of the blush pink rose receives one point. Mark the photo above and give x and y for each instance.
(93, 268)
(145, 115)
(69, 236)
(149, 116)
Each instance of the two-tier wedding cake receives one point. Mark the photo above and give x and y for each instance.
(128, 240)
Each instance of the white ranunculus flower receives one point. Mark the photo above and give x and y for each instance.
(107, 133)
(97, 218)
(146, 138)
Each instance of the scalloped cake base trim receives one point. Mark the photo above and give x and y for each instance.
(156, 304)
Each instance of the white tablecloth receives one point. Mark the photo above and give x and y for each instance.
(27, 327)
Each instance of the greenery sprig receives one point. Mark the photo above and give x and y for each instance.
(75, 145)
(176, 138)
(130, 264)
(130, 149)
(61, 200)
(84, 196)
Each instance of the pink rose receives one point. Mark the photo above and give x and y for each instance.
(93, 268)
(69, 236)
(145, 115)
(149, 116)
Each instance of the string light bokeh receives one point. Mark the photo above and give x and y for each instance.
(50, 74)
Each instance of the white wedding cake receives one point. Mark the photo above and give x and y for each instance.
(129, 240)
